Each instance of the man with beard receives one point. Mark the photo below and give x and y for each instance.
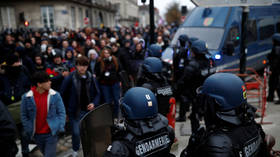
(58, 70)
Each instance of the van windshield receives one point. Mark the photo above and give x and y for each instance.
(207, 17)
(211, 35)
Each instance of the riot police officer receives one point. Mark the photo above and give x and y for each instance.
(194, 75)
(274, 64)
(146, 133)
(180, 61)
(155, 50)
(230, 127)
(150, 76)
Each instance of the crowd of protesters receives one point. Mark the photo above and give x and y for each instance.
(84, 66)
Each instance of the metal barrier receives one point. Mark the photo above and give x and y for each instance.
(255, 86)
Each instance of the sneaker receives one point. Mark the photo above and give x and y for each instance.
(74, 154)
(277, 102)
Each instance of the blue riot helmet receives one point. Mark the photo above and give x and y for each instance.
(224, 95)
(183, 40)
(154, 50)
(139, 103)
(191, 40)
(152, 65)
(198, 47)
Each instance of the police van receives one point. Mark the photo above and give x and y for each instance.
(220, 28)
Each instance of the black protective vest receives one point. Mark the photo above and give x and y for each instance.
(163, 92)
(151, 138)
(151, 144)
(242, 141)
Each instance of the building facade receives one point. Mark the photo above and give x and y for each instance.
(57, 14)
(127, 12)
(144, 16)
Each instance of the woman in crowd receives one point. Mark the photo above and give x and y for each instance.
(48, 54)
(106, 71)
(70, 58)
(93, 56)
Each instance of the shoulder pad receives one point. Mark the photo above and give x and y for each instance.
(148, 86)
(221, 142)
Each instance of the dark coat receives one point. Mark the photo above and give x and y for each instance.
(8, 133)
(109, 76)
(70, 92)
(13, 87)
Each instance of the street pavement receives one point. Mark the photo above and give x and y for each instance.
(182, 132)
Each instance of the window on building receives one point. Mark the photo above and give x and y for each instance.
(100, 18)
(81, 17)
(266, 27)
(73, 18)
(95, 19)
(47, 16)
(7, 17)
(278, 24)
(87, 13)
(251, 35)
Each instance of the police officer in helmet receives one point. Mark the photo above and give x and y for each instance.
(150, 76)
(180, 61)
(230, 127)
(145, 133)
(193, 76)
(274, 64)
(155, 50)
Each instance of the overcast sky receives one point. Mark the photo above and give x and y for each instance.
(163, 4)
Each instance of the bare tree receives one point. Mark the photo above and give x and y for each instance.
(173, 14)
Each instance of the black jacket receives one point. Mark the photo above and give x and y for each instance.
(180, 61)
(14, 84)
(8, 133)
(193, 76)
(158, 84)
(110, 74)
(243, 140)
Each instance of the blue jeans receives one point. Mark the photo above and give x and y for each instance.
(112, 94)
(47, 144)
(75, 129)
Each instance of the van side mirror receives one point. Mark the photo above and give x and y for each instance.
(229, 48)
